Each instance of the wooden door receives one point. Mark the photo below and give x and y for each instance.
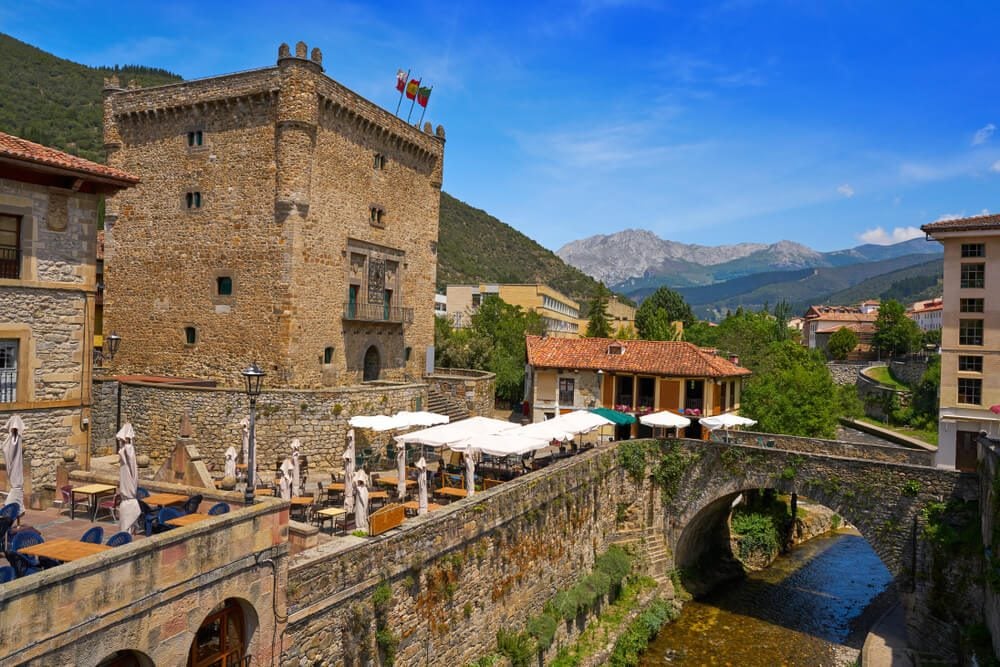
(966, 457)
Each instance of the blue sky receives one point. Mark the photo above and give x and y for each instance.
(826, 123)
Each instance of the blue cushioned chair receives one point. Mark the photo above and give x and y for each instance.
(93, 535)
(7, 573)
(118, 539)
(219, 508)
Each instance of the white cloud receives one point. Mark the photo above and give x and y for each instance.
(995, 166)
(983, 134)
(846, 190)
(879, 236)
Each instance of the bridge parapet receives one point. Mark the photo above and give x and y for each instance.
(851, 450)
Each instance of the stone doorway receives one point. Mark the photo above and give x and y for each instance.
(372, 364)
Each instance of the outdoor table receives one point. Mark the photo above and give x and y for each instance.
(393, 481)
(263, 492)
(95, 491)
(412, 507)
(64, 550)
(164, 499)
(451, 492)
(188, 519)
(331, 513)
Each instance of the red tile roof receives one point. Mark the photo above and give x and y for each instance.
(12, 147)
(975, 223)
(655, 357)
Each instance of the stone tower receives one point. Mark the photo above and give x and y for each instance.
(281, 217)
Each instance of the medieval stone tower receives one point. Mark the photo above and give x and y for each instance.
(281, 217)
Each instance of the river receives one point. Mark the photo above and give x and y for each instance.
(798, 611)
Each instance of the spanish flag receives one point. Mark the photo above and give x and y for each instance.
(411, 89)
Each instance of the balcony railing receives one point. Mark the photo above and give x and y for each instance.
(377, 312)
(10, 263)
(8, 385)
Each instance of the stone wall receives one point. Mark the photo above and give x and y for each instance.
(47, 434)
(460, 573)
(875, 397)
(152, 595)
(794, 443)
(909, 369)
(317, 417)
(845, 372)
(473, 389)
(989, 505)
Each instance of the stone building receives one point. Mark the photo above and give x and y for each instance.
(48, 222)
(281, 217)
(970, 336)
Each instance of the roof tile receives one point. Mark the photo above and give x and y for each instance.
(974, 223)
(29, 151)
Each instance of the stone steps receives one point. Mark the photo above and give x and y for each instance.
(444, 405)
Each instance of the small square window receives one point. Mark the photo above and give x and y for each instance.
(970, 390)
(566, 390)
(970, 363)
(970, 305)
(195, 139)
(970, 332)
(377, 215)
(224, 286)
(973, 250)
(328, 355)
(190, 335)
(193, 200)
(8, 370)
(379, 162)
(973, 276)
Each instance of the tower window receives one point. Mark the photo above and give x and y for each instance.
(377, 214)
(328, 355)
(193, 200)
(190, 335)
(195, 139)
(224, 286)
(380, 161)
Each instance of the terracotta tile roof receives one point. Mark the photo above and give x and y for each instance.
(21, 149)
(977, 222)
(655, 357)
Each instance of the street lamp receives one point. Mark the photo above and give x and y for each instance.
(254, 377)
(114, 340)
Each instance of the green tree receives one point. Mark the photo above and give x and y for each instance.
(662, 306)
(931, 337)
(925, 395)
(895, 333)
(841, 343)
(502, 327)
(702, 334)
(625, 332)
(597, 323)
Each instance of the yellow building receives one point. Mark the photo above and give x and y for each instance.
(560, 313)
(970, 336)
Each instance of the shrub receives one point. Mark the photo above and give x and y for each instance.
(615, 563)
(566, 604)
(543, 629)
(634, 640)
(518, 647)
(757, 533)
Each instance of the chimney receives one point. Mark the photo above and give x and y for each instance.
(734, 359)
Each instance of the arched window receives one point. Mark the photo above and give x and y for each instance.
(372, 364)
(220, 640)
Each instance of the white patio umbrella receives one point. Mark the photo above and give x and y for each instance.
(446, 434)
(470, 471)
(296, 479)
(13, 455)
(503, 444)
(230, 468)
(285, 483)
(401, 471)
(361, 501)
(349, 472)
(422, 486)
(665, 419)
(726, 421)
(128, 479)
(376, 422)
(420, 418)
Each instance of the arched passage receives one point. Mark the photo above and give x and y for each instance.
(126, 658)
(373, 364)
(223, 639)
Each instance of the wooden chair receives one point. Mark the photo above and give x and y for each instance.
(387, 518)
(490, 483)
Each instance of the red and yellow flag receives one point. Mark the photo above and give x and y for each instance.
(411, 89)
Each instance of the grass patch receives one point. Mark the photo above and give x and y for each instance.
(882, 375)
(930, 436)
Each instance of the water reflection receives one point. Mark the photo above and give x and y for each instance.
(796, 612)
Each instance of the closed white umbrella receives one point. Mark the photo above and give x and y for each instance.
(285, 483)
(128, 479)
(361, 501)
(470, 472)
(665, 419)
(726, 421)
(401, 471)
(296, 479)
(13, 455)
(349, 472)
(230, 468)
(422, 486)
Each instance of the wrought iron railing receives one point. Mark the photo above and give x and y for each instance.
(377, 312)
(8, 385)
(10, 262)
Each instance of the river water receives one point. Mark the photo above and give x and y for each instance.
(798, 611)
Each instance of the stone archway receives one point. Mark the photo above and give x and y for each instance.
(126, 658)
(373, 364)
(223, 638)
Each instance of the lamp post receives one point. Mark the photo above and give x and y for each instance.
(114, 340)
(254, 376)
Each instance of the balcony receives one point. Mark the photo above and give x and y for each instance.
(377, 312)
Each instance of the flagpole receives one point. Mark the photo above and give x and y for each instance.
(413, 102)
(421, 121)
(400, 102)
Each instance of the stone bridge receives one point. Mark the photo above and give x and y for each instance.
(879, 490)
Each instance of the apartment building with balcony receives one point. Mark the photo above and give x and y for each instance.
(970, 336)
(560, 313)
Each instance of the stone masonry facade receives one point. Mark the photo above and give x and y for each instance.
(281, 217)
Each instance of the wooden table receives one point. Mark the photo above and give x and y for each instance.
(414, 506)
(451, 492)
(64, 550)
(188, 519)
(331, 513)
(393, 481)
(164, 499)
(95, 491)
(263, 492)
